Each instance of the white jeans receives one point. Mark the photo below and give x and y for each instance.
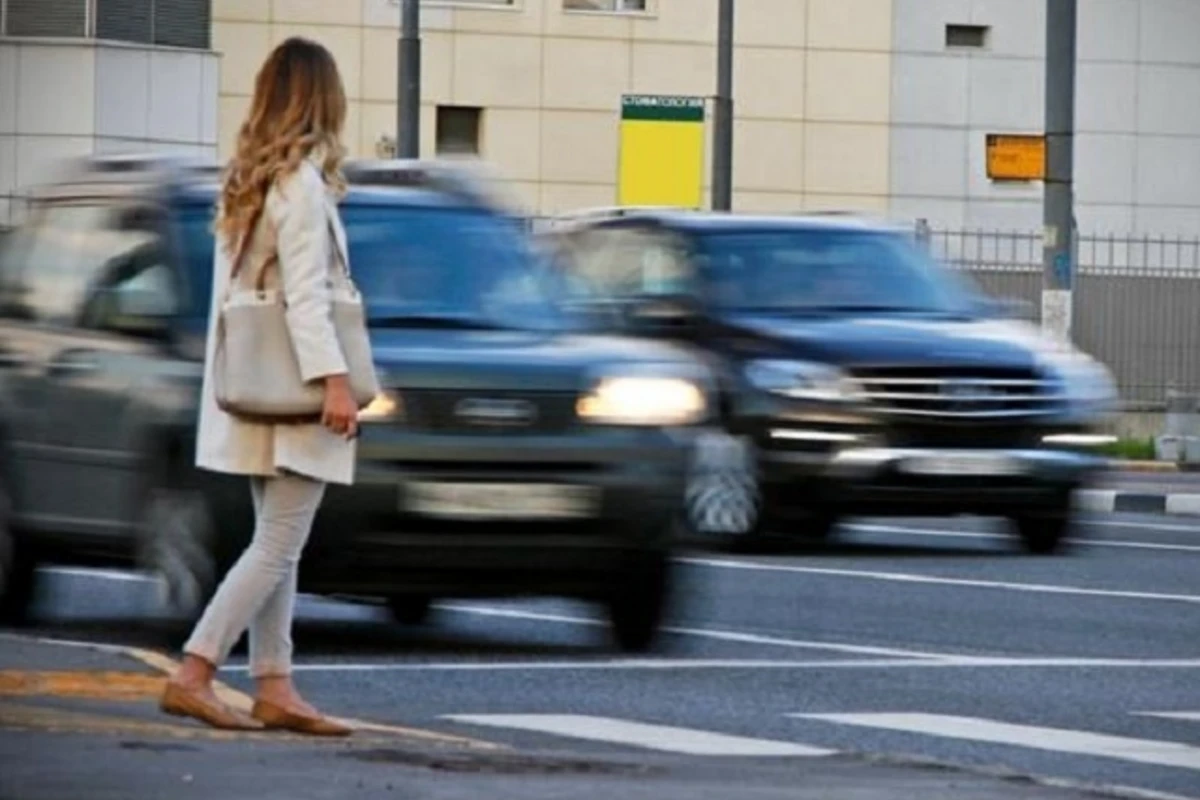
(259, 592)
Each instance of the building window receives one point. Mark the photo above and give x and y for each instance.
(612, 6)
(971, 36)
(173, 23)
(461, 2)
(458, 130)
(65, 18)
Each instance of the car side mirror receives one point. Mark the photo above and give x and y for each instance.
(663, 315)
(134, 311)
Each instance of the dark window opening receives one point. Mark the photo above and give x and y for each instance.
(974, 36)
(458, 130)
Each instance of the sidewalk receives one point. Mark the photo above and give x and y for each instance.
(77, 722)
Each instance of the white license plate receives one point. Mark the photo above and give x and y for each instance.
(963, 464)
(497, 501)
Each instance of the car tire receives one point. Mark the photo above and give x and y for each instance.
(723, 497)
(639, 605)
(18, 569)
(1046, 532)
(177, 548)
(411, 609)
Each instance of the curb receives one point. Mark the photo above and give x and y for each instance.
(1117, 502)
(1144, 466)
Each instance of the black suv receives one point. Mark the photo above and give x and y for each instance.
(508, 454)
(856, 375)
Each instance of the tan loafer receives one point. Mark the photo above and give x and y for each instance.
(278, 718)
(179, 701)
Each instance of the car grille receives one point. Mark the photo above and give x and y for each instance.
(483, 412)
(958, 394)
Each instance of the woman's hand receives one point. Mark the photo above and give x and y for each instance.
(340, 413)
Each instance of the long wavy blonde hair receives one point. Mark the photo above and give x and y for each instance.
(299, 109)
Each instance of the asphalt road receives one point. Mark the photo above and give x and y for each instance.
(923, 641)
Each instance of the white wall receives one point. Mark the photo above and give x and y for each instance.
(62, 99)
(1137, 160)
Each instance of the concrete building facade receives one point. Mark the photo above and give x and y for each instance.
(79, 77)
(873, 105)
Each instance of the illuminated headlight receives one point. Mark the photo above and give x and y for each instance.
(386, 407)
(654, 401)
(804, 380)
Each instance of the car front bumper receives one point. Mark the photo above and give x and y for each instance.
(913, 481)
(368, 540)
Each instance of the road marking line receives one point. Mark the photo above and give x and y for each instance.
(1060, 740)
(1147, 526)
(908, 577)
(967, 662)
(91, 685)
(717, 635)
(56, 720)
(639, 734)
(1189, 716)
(243, 702)
(944, 534)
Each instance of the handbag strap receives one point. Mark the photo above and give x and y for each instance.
(244, 247)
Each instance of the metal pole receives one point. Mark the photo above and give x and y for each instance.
(408, 82)
(1058, 258)
(722, 162)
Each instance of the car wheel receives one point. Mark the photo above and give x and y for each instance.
(637, 609)
(1046, 532)
(18, 569)
(724, 499)
(411, 610)
(176, 547)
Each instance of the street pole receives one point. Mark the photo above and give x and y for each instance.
(1058, 212)
(722, 161)
(408, 81)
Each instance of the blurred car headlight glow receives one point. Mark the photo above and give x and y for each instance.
(1086, 384)
(386, 407)
(643, 400)
(804, 380)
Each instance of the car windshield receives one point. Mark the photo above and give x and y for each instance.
(816, 271)
(424, 267)
(447, 267)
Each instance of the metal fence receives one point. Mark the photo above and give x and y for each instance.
(1136, 300)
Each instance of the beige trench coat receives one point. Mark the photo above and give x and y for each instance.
(300, 221)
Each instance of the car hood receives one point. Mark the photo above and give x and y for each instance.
(510, 359)
(873, 341)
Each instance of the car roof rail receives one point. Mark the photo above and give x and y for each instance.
(445, 177)
(140, 173)
(585, 216)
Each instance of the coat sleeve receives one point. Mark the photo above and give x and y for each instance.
(304, 243)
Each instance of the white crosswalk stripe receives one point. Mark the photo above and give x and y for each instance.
(1189, 716)
(1144, 751)
(638, 734)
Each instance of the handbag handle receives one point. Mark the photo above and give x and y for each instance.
(260, 282)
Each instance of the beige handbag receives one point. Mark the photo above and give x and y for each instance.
(256, 374)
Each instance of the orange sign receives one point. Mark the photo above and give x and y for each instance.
(1016, 157)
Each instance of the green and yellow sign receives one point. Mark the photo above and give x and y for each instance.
(662, 151)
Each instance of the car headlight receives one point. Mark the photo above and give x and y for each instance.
(804, 380)
(643, 400)
(386, 407)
